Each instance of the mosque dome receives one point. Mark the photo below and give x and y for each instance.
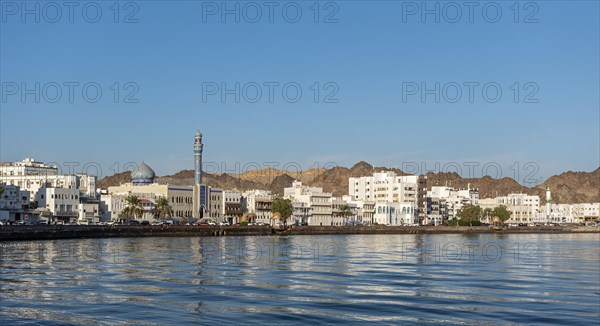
(142, 174)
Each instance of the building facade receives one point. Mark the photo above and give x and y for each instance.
(258, 206)
(525, 209)
(318, 204)
(15, 204)
(233, 206)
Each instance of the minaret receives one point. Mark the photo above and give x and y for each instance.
(198, 158)
(548, 204)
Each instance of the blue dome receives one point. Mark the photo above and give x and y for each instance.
(142, 174)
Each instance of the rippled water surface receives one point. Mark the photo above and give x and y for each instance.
(343, 279)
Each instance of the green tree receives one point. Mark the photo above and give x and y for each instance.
(470, 214)
(502, 212)
(1, 191)
(134, 207)
(162, 208)
(284, 207)
(345, 211)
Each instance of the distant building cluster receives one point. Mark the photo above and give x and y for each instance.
(527, 209)
(34, 191)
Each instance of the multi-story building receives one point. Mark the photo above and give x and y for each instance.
(586, 212)
(448, 201)
(233, 206)
(110, 207)
(392, 213)
(365, 209)
(317, 202)
(259, 204)
(386, 189)
(14, 204)
(338, 216)
(301, 213)
(61, 203)
(215, 204)
(571, 213)
(422, 198)
(524, 208)
(89, 211)
(436, 211)
(31, 176)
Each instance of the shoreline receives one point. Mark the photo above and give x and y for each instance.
(55, 232)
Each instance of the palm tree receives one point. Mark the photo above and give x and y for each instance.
(162, 208)
(344, 212)
(134, 207)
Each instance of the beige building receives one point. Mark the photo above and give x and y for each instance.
(180, 198)
(524, 208)
(259, 203)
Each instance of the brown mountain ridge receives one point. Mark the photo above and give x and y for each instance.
(567, 188)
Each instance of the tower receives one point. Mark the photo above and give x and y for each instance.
(198, 158)
(548, 204)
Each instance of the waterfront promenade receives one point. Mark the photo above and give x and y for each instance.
(48, 232)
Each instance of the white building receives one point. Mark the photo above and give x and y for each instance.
(586, 212)
(449, 201)
(337, 205)
(89, 212)
(436, 211)
(110, 207)
(387, 191)
(31, 175)
(571, 213)
(258, 203)
(389, 213)
(301, 213)
(62, 203)
(365, 209)
(384, 187)
(317, 203)
(524, 208)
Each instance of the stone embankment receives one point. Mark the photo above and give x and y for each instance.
(49, 232)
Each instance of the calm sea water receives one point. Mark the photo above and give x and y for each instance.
(344, 279)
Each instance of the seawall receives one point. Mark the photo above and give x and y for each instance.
(49, 232)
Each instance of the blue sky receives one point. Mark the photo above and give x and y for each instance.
(369, 57)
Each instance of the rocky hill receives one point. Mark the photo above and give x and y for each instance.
(568, 187)
(573, 187)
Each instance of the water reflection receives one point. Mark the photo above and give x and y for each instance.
(414, 278)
